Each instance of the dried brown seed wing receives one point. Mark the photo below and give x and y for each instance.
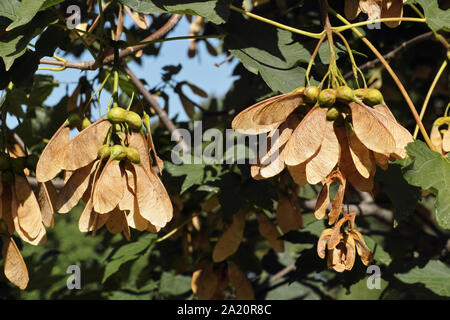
(436, 138)
(244, 123)
(51, 160)
(370, 131)
(392, 9)
(153, 200)
(230, 239)
(350, 253)
(86, 220)
(255, 172)
(137, 141)
(347, 167)
(401, 136)
(446, 141)
(289, 215)
(322, 243)
(14, 266)
(268, 230)
(139, 19)
(361, 247)
(337, 203)
(28, 211)
(83, 148)
(277, 139)
(243, 286)
(73, 190)
(47, 198)
(361, 156)
(321, 164)
(306, 138)
(352, 9)
(204, 282)
(115, 222)
(381, 160)
(278, 110)
(109, 189)
(298, 173)
(322, 202)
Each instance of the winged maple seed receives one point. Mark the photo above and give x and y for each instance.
(375, 9)
(341, 245)
(441, 137)
(116, 181)
(326, 137)
(20, 212)
(311, 141)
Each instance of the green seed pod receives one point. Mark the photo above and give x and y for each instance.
(299, 89)
(359, 93)
(311, 94)
(118, 152)
(4, 162)
(18, 164)
(117, 115)
(8, 177)
(31, 161)
(85, 123)
(104, 152)
(327, 98)
(373, 97)
(74, 120)
(344, 94)
(133, 155)
(332, 114)
(133, 120)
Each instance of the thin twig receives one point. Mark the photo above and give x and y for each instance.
(91, 65)
(405, 45)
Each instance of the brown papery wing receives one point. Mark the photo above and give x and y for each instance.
(362, 158)
(47, 195)
(446, 141)
(83, 148)
(370, 130)
(51, 160)
(321, 164)
(244, 123)
(138, 141)
(279, 109)
(153, 201)
(392, 9)
(306, 138)
(73, 190)
(109, 188)
(28, 210)
(14, 266)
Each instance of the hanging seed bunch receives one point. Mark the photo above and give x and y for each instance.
(21, 211)
(108, 166)
(440, 134)
(335, 135)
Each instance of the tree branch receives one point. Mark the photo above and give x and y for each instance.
(405, 45)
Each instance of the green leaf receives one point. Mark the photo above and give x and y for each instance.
(26, 10)
(378, 252)
(430, 170)
(403, 196)
(437, 19)
(114, 266)
(194, 173)
(14, 43)
(271, 52)
(435, 276)
(174, 285)
(134, 248)
(216, 11)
